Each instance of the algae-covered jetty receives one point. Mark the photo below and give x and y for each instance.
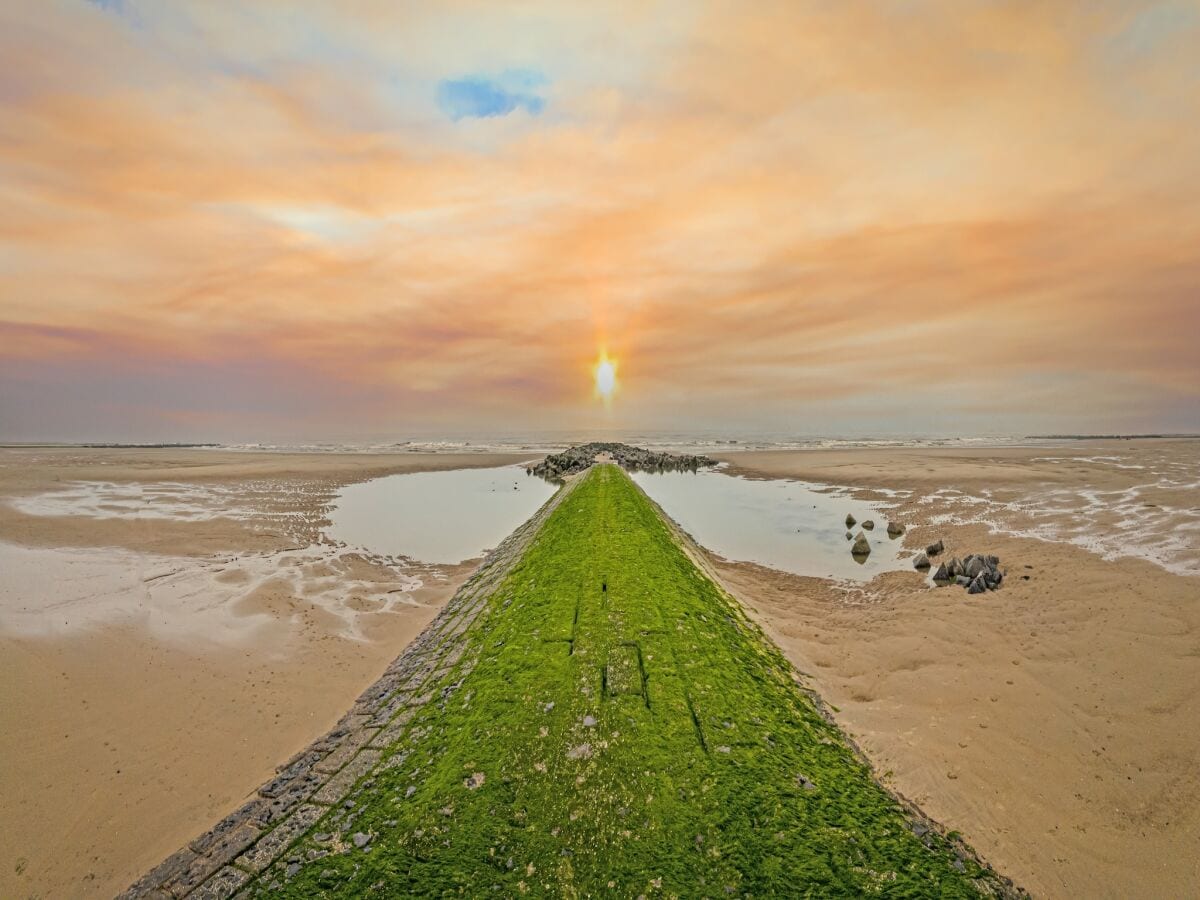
(590, 715)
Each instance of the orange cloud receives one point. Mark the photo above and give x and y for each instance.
(804, 216)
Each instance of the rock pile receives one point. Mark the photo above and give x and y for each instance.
(977, 573)
(634, 459)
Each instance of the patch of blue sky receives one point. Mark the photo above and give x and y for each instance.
(489, 96)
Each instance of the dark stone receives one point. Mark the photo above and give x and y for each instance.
(850, 520)
(941, 574)
(895, 529)
(869, 525)
(975, 567)
(978, 586)
(921, 562)
(954, 568)
(935, 549)
(635, 459)
(862, 546)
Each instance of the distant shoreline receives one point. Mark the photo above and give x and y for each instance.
(542, 445)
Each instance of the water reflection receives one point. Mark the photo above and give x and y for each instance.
(436, 517)
(787, 525)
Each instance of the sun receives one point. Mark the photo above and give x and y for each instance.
(606, 377)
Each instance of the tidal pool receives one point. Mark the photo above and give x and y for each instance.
(436, 517)
(787, 525)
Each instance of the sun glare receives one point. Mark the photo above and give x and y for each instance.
(606, 378)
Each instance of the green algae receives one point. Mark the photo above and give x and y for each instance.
(616, 726)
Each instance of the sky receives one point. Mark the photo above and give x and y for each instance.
(318, 220)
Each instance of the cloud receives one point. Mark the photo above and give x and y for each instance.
(819, 217)
(482, 97)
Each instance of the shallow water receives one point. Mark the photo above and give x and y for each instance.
(787, 525)
(436, 517)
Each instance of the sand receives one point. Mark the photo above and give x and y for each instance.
(142, 717)
(1056, 722)
(1053, 723)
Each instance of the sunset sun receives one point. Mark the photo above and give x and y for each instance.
(606, 378)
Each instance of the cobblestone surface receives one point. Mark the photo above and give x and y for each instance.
(325, 776)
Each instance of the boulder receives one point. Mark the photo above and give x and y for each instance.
(935, 549)
(849, 535)
(895, 529)
(941, 574)
(962, 580)
(954, 568)
(861, 546)
(921, 562)
(869, 525)
(977, 586)
(975, 567)
(850, 520)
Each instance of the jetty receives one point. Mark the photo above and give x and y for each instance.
(591, 714)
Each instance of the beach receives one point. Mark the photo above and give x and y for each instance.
(204, 632)
(1052, 722)
(139, 718)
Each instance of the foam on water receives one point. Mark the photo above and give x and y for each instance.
(48, 592)
(1156, 519)
(152, 500)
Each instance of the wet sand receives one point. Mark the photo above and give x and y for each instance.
(122, 738)
(1055, 723)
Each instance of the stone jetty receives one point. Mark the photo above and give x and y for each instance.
(577, 459)
(590, 714)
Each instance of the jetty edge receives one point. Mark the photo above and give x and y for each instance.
(591, 713)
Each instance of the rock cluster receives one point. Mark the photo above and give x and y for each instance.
(634, 459)
(977, 573)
